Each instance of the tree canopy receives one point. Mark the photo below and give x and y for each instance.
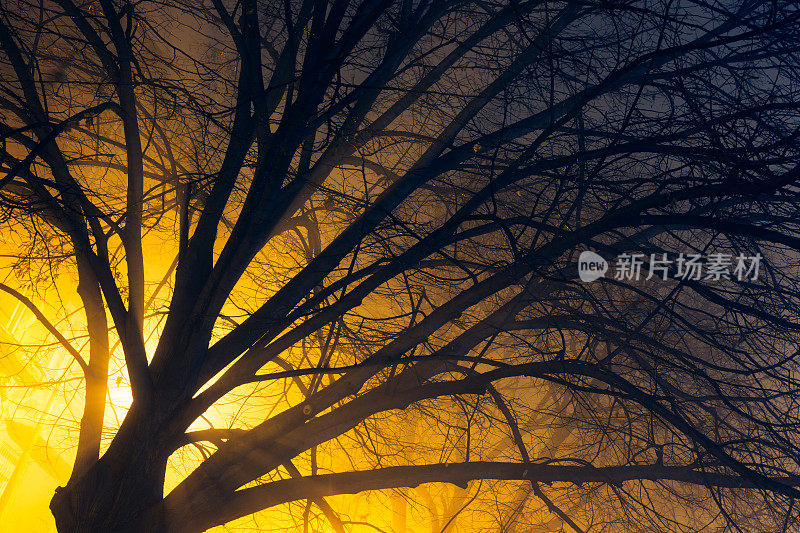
(332, 248)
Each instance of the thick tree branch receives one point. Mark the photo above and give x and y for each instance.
(250, 500)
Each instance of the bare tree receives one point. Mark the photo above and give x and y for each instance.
(375, 211)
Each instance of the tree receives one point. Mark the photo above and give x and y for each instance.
(375, 211)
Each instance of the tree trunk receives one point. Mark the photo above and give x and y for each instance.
(97, 373)
(116, 493)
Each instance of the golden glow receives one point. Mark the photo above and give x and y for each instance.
(43, 395)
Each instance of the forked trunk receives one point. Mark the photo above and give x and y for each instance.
(118, 491)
